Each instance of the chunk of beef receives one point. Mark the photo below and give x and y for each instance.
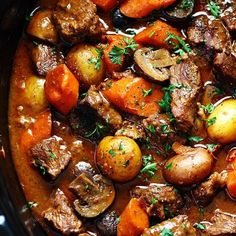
(212, 33)
(184, 98)
(161, 200)
(226, 63)
(61, 215)
(46, 58)
(77, 20)
(42, 27)
(51, 156)
(207, 190)
(132, 130)
(222, 223)
(161, 123)
(177, 226)
(95, 193)
(107, 223)
(95, 101)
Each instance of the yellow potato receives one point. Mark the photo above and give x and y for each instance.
(223, 129)
(34, 93)
(86, 64)
(119, 158)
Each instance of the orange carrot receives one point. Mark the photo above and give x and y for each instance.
(105, 5)
(231, 183)
(156, 35)
(139, 9)
(114, 40)
(62, 89)
(39, 130)
(134, 95)
(133, 219)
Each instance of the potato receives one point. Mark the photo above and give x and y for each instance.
(119, 158)
(34, 93)
(84, 61)
(223, 130)
(190, 166)
(41, 26)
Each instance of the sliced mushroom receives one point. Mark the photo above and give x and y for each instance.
(181, 11)
(95, 193)
(154, 64)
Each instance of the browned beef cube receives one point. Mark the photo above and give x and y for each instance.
(178, 226)
(184, 98)
(77, 19)
(61, 215)
(46, 58)
(95, 101)
(161, 200)
(212, 33)
(222, 223)
(51, 156)
(207, 190)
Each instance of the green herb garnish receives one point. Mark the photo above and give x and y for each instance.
(30, 205)
(195, 139)
(199, 226)
(112, 152)
(211, 147)
(210, 122)
(208, 108)
(186, 4)
(98, 131)
(166, 232)
(147, 92)
(151, 128)
(97, 61)
(169, 166)
(214, 8)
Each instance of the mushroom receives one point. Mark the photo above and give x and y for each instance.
(154, 63)
(95, 193)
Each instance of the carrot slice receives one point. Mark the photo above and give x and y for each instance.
(133, 219)
(139, 9)
(105, 5)
(40, 130)
(156, 35)
(62, 89)
(134, 95)
(231, 183)
(114, 40)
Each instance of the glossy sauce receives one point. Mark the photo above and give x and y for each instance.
(38, 189)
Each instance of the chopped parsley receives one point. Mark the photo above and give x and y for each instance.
(179, 48)
(211, 147)
(165, 129)
(167, 147)
(147, 92)
(218, 91)
(130, 31)
(86, 187)
(52, 155)
(199, 226)
(39, 165)
(214, 8)
(117, 52)
(97, 60)
(152, 34)
(112, 152)
(208, 108)
(210, 122)
(151, 128)
(169, 166)
(186, 4)
(121, 146)
(150, 167)
(153, 201)
(98, 131)
(166, 232)
(195, 139)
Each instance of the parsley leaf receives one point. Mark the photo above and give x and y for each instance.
(147, 92)
(151, 128)
(30, 205)
(149, 167)
(153, 201)
(98, 131)
(166, 232)
(199, 226)
(195, 139)
(165, 129)
(210, 122)
(208, 108)
(211, 147)
(97, 60)
(39, 165)
(214, 8)
(186, 4)
(169, 166)
(116, 53)
(112, 153)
